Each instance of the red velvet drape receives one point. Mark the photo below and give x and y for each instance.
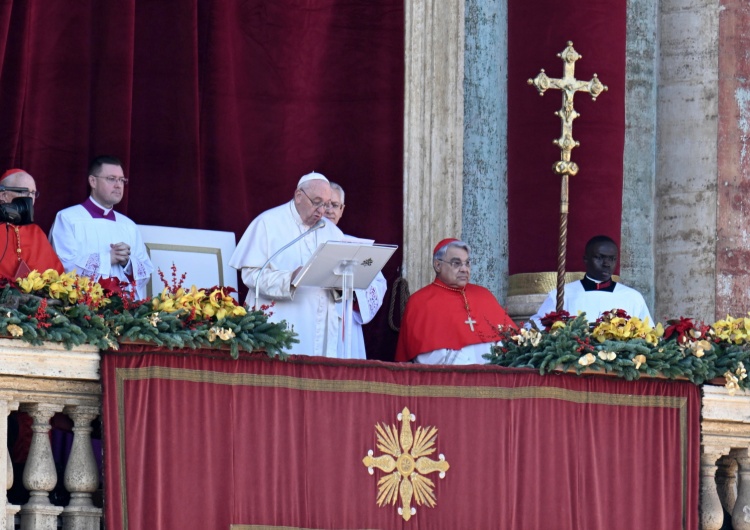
(216, 107)
(537, 31)
(198, 442)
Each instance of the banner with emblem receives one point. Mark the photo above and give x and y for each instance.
(203, 441)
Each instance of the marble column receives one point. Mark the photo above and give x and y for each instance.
(40, 475)
(741, 511)
(81, 473)
(433, 131)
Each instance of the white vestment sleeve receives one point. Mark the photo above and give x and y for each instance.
(370, 299)
(274, 285)
(73, 256)
(549, 305)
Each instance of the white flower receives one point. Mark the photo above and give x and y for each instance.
(607, 355)
(587, 359)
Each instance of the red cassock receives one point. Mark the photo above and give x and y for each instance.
(436, 316)
(36, 250)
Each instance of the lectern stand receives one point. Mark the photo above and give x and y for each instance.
(345, 266)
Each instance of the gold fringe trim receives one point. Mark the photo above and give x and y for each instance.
(540, 282)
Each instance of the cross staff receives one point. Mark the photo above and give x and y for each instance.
(569, 85)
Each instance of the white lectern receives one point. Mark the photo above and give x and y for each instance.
(346, 266)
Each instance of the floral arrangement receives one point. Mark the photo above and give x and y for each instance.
(74, 310)
(629, 347)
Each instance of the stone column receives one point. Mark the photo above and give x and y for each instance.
(639, 156)
(733, 212)
(40, 475)
(712, 513)
(81, 473)
(7, 511)
(741, 512)
(485, 199)
(726, 482)
(685, 221)
(433, 131)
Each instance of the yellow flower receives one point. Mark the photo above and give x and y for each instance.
(699, 347)
(639, 360)
(14, 330)
(587, 359)
(50, 275)
(32, 282)
(154, 319)
(557, 325)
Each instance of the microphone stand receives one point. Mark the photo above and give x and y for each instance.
(320, 224)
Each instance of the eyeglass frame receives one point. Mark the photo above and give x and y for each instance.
(324, 205)
(28, 193)
(457, 263)
(112, 179)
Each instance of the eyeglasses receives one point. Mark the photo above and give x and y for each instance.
(457, 263)
(33, 194)
(317, 204)
(334, 206)
(112, 179)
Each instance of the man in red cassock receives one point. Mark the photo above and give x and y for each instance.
(23, 248)
(450, 321)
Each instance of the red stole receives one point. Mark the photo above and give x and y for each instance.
(436, 315)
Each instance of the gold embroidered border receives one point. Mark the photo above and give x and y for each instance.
(390, 389)
(266, 527)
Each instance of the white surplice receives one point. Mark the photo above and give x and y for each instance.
(311, 311)
(369, 301)
(594, 303)
(471, 354)
(83, 244)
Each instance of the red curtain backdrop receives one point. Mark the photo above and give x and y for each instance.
(537, 31)
(216, 107)
(205, 442)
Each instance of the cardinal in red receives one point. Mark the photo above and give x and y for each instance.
(23, 248)
(450, 321)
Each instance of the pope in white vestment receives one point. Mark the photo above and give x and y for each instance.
(88, 237)
(311, 311)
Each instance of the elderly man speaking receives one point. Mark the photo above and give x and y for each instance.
(450, 321)
(310, 310)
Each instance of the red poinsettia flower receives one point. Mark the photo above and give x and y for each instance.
(555, 316)
(614, 313)
(684, 330)
(112, 286)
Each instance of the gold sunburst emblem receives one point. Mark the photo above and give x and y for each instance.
(406, 464)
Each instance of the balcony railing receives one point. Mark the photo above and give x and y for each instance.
(43, 381)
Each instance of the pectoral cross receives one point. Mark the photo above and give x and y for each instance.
(569, 85)
(471, 323)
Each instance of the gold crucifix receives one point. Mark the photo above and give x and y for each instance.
(564, 167)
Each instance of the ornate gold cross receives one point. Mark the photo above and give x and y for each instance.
(569, 85)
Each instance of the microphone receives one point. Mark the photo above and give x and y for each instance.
(317, 226)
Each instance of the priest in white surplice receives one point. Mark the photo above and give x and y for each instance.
(94, 240)
(597, 292)
(310, 310)
(368, 301)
